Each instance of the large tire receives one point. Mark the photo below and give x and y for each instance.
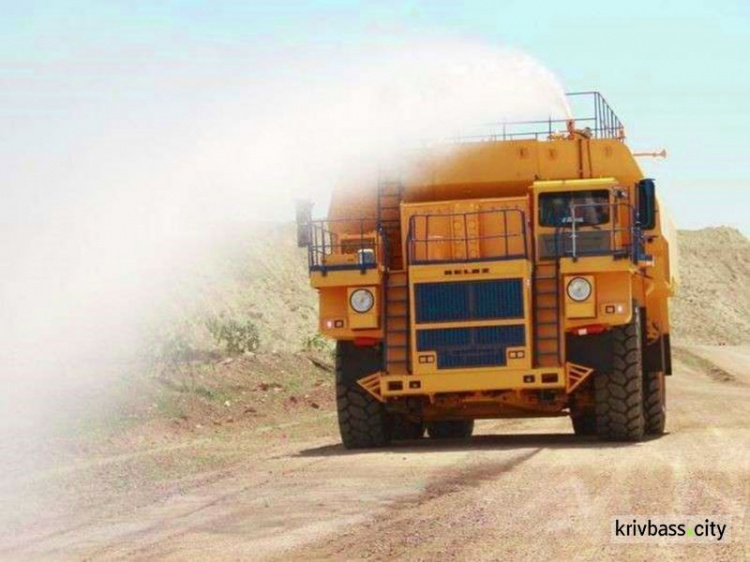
(654, 403)
(584, 423)
(363, 421)
(450, 429)
(619, 394)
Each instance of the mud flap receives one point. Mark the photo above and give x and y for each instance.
(658, 356)
(594, 350)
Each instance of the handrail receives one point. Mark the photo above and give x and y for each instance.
(384, 308)
(599, 121)
(631, 247)
(605, 119)
(413, 240)
(325, 243)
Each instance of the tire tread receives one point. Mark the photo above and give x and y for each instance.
(362, 419)
(619, 394)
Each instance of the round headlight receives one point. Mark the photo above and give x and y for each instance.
(579, 289)
(362, 300)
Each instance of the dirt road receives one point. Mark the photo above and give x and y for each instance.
(519, 489)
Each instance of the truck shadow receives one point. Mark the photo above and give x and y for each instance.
(479, 443)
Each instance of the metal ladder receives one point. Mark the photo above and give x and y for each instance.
(396, 322)
(396, 286)
(390, 194)
(546, 298)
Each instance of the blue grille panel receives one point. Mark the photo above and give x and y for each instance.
(442, 302)
(471, 347)
(448, 337)
(471, 300)
(498, 299)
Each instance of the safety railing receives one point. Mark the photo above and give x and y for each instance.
(577, 237)
(343, 244)
(590, 112)
(599, 118)
(487, 235)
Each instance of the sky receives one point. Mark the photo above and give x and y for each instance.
(674, 71)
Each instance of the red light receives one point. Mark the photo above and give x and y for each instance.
(590, 329)
(365, 342)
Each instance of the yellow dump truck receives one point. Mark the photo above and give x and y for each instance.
(524, 272)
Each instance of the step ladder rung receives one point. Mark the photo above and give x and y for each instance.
(396, 304)
(546, 278)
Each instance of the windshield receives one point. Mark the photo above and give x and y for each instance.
(554, 208)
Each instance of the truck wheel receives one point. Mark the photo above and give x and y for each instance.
(584, 424)
(363, 421)
(450, 429)
(619, 394)
(404, 429)
(654, 403)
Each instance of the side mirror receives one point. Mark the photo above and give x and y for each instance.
(647, 203)
(303, 217)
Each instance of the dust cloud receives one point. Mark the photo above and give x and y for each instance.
(120, 174)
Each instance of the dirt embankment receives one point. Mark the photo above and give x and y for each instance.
(713, 302)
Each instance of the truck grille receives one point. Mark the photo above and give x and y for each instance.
(483, 346)
(497, 299)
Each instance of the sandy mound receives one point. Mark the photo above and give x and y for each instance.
(713, 302)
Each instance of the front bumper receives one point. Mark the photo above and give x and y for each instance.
(567, 379)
